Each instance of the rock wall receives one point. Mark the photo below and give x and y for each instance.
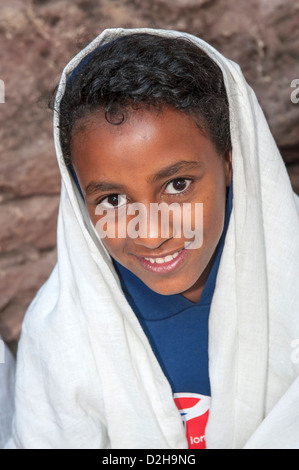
(37, 39)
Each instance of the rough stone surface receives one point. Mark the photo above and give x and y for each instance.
(37, 39)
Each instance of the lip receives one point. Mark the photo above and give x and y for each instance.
(163, 268)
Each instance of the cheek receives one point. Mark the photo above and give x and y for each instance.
(213, 215)
(213, 218)
(108, 229)
(114, 247)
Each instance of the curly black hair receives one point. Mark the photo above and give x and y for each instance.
(144, 70)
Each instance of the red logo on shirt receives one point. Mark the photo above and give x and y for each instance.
(194, 409)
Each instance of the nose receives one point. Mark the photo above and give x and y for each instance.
(150, 243)
(153, 230)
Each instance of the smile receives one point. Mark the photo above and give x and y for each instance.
(164, 264)
(164, 260)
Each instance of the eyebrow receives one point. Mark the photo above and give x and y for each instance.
(174, 169)
(171, 170)
(103, 186)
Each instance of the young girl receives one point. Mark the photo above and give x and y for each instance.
(143, 338)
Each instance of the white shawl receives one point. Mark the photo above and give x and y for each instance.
(7, 379)
(86, 375)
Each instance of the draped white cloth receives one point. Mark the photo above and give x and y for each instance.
(86, 375)
(7, 379)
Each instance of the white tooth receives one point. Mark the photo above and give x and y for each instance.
(163, 260)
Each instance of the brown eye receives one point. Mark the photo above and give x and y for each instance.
(113, 201)
(178, 185)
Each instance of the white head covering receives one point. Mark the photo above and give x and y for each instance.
(87, 376)
(7, 378)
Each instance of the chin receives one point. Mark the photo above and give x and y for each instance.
(170, 288)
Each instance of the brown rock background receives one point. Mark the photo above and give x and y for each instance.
(38, 37)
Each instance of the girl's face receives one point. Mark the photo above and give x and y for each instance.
(154, 157)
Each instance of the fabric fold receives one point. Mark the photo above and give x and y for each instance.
(7, 382)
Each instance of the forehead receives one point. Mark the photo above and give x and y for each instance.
(146, 140)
